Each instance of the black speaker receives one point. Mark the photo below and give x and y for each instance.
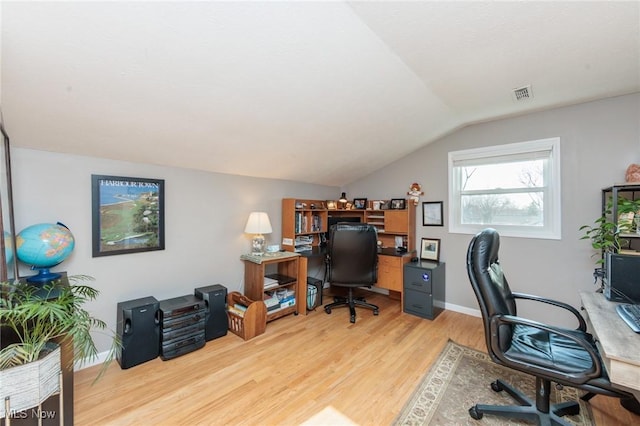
(216, 322)
(139, 329)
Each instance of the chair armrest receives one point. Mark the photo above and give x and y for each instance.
(498, 320)
(582, 325)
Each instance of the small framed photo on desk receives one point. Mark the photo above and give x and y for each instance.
(398, 204)
(360, 203)
(430, 249)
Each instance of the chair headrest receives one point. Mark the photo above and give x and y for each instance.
(486, 247)
(346, 226)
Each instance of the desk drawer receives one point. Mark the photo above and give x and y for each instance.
(417, 279)
(418, 303)
(390, 272)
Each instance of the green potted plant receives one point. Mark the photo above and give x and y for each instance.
(34, 318)
(605, 231)
(55, 311)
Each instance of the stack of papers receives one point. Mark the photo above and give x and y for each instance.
(270, 283)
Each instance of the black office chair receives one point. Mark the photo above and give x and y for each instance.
(551, 354)
(352, 258)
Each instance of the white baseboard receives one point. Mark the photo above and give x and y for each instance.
(463, 310)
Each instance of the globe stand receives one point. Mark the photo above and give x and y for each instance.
(44, 276)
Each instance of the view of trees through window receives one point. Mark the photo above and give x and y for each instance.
(513, 187)
(509, 193)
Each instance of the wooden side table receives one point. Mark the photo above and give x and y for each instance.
(282, 266)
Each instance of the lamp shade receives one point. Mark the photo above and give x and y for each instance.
(258, 223)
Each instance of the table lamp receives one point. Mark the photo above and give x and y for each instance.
(258, 224)
(343, 200)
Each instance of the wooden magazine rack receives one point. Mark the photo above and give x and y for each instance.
(254, 321)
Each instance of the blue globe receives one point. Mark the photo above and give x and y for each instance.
(43, 246)
(8, 247)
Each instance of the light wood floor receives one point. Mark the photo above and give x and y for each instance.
(302, 364)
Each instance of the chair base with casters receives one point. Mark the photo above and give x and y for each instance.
(351, 302)
(540, 410)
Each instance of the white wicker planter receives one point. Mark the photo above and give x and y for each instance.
(29, 385)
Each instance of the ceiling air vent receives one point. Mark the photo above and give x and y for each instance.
(522, 93)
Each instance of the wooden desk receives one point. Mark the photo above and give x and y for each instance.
(618, 344)
(390, 270)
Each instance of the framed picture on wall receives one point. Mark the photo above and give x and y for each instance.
(430, 249)
(127, 214)
(432, 213)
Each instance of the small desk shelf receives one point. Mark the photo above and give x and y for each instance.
(285, 264)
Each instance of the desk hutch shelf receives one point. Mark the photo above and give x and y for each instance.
(304, 223)
(392, 225)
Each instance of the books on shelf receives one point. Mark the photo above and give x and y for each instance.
(317, 223)
(288, 301)
(304, 223)
(272, 303)
(279, 299)
(300, 222)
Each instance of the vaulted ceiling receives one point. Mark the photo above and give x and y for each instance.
(321, 92)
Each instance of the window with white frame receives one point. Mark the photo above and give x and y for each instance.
(514, 188)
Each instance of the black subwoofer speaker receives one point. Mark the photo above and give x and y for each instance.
(216, 322)
(139, 329)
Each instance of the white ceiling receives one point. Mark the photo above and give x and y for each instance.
(320, 92)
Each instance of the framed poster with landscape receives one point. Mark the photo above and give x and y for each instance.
(128, 214)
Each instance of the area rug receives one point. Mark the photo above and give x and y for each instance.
(460, 379)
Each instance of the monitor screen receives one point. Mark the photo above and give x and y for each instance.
(623, 278)
(332, 220)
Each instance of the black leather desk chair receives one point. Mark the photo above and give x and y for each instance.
(352, 257)
(551, 354)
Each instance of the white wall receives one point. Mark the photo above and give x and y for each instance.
(205, 215)
(206, 212)
(598, 141)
